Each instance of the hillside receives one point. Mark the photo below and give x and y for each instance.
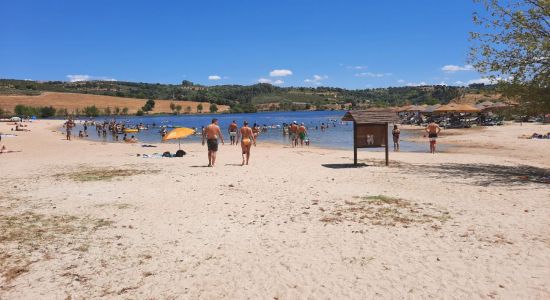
(251, 98)
(73, 102)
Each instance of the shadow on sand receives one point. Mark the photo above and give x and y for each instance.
(344, 166)
(486, 174)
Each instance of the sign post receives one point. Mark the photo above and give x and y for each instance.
(370, 130)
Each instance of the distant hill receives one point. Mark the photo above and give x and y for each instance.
(250, 98)
(75, 103)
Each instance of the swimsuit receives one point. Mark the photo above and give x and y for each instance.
(212, 144)
(432, 136)
(302, 135)
(246, 141)
(233, 133)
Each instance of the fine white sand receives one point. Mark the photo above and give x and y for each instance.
(87, 220)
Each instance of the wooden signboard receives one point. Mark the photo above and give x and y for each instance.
(370, 129)
(368, 135)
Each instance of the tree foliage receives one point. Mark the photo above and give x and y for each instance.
(513, 47)
(149, 105)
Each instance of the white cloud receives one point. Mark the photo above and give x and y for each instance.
(75, 78)
(214, 77)
(401, 81)
(459, 82)
(280, 73)
(370, 74)
(356, 67)
(455, 68)
(442, 83)
(316, 79)
(416, 84)
(274, 82)
(483, 80)
(264, 80)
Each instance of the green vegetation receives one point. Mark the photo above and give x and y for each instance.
(91, 111)
(213, 108)
(513, 47)
(42, 112)
(149, 105)
(251, 98)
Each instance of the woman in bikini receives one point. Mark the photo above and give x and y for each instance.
(247, 139)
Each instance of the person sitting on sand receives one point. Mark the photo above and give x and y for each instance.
(395, 134)
(247, 139)
(433, 130)
(132, 139)
(211, 134)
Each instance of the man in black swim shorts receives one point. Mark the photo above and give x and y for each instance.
(211, 134)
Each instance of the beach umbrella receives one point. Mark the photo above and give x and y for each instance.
(431, 109)
(178, 133)
(467, 108)
(416, 108)
(404, 108)
(453, 107)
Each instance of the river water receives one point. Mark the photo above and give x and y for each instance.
(338, 135)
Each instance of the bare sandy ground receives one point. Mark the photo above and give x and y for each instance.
(71, 101)
(89, 220)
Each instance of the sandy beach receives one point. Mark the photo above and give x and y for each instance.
(82, 219)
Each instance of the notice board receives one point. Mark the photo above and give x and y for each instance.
(370, 135)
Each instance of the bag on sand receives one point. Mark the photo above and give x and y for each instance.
(180, 153)
(166, 154)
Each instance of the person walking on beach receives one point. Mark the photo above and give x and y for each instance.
(247, 139)
(68, 127)
(293, 130)
(302, 132)
(233, 132)
(211, 134)
(433, 130)
(395, 133)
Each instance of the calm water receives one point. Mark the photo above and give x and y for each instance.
(338, 135)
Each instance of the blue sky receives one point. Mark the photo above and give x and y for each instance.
(349, 44)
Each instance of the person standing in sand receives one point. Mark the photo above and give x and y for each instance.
(68, 127)
(233, 132)
(395, 134)
(302, 132)
(247, 139)
(293, 130)
(433, 130)
(211, 134)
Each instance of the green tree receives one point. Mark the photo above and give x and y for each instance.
(3, 113)
(199, 108)
(125, 111)
(117, 110)
(188, 109)
(172, 106)
(178, 108)
(149, 105)
(107, 111)
(90, 111)
(139, 112)
(187, 83)
(513, 48)
(213, 108)
(47, 112)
